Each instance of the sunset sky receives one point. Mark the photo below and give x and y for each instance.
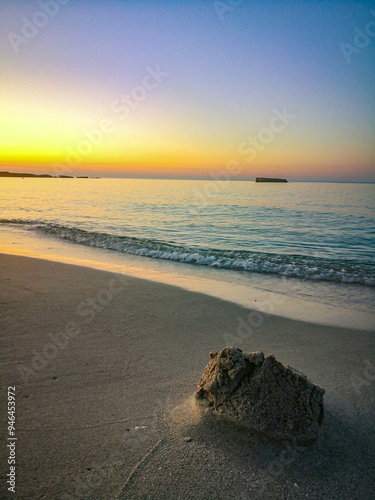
(180, 89)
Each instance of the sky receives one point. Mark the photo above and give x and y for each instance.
(188, 89)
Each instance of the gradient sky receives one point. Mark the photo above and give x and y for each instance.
(226, 76)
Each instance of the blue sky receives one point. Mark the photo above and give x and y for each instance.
(225, 77)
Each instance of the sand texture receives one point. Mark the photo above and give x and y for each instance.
(105, 368)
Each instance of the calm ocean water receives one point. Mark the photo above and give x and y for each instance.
(321, 234)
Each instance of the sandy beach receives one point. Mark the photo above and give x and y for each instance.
(104, 366)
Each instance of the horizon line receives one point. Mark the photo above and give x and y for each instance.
(249, 179)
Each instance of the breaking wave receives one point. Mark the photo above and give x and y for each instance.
(298, 266)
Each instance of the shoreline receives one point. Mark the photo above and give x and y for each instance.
(91, 411)
(251, 297)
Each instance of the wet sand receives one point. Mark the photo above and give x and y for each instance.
(104, 366)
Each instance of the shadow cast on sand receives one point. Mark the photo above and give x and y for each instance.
(199, 456)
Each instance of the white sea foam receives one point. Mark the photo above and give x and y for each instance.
(295, 266)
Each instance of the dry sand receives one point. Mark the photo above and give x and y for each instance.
(105, 415)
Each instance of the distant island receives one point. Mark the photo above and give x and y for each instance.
(18, 174)
(269, 179)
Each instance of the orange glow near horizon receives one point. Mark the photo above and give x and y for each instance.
(138, 150)
(156, 144)
(155, 159)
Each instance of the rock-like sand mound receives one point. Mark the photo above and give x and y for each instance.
(261, 394)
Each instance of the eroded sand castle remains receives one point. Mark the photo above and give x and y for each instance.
(261, 394)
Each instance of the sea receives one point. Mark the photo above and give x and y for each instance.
(303, 250)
